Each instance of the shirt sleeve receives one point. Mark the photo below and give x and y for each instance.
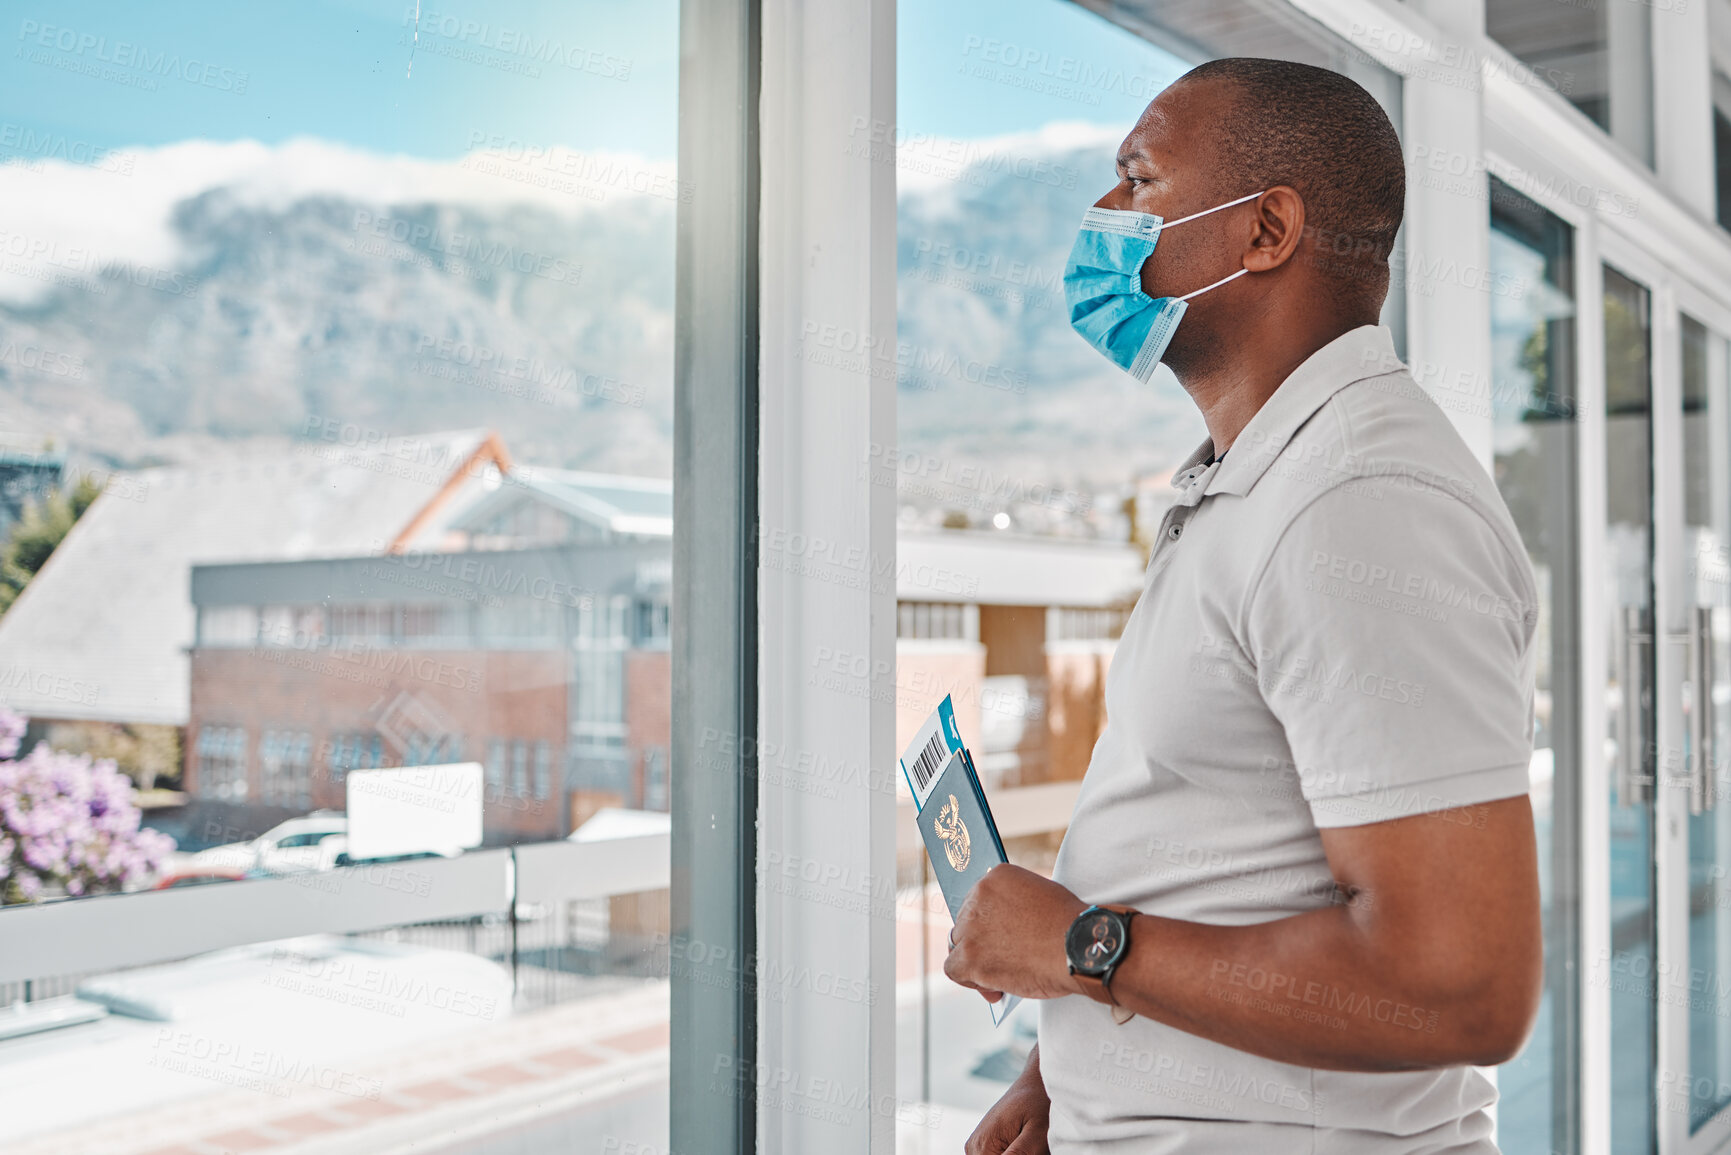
(1391, 632)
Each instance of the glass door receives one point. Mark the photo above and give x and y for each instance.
(1703, 1096)
(1629, 701)
(1536, 466)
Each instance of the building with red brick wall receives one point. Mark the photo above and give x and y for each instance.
(546, 665)
(649, 725)
(1019, 631)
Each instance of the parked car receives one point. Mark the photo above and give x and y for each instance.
(311, 842)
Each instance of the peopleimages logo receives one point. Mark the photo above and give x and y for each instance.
(122, 54)
(518, 42)
(489, 254)
(970, 160)
(23, 142)
(1086, 78)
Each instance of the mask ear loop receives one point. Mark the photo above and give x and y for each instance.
(1215, 209)
(1204, 213)
(1215, 285)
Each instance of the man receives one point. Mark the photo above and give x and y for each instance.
(1308, 806)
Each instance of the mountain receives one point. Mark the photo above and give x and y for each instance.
(237, 312)
(203, 299)
(981, 250)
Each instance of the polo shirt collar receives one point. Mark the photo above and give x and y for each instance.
(1367, 351)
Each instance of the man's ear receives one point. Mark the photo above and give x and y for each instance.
(1276, 230)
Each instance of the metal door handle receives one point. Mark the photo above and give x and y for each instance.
(1633, 787)
(1700, 670)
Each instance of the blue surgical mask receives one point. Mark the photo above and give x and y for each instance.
(1103, 286)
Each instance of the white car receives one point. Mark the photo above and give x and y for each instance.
(299, 845)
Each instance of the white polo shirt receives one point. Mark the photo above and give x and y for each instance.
(1336, 628)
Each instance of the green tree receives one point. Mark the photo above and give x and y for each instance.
(148, 754)
(38, 533)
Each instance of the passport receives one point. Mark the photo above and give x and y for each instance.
(955, 821)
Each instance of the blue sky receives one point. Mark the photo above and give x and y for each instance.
(608, 72)
(975, 68)
(335, 69)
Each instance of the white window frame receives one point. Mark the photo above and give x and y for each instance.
(828, 223)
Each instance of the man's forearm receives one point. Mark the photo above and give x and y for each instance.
(1435, 959)
(1313, 989)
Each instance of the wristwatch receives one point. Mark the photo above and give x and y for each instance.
(1096, 943)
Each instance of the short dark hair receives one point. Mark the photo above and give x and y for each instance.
(1323, 134)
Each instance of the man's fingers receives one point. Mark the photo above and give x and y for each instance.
(1029, 1142)
(991, 995)
(989, 1139)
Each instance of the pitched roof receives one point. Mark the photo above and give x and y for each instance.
(102, 630)
(610, 501)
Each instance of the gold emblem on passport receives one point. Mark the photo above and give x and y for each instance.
(949, 826)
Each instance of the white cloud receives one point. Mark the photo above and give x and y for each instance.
(66, 222)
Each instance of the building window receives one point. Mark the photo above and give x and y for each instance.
(599, 646)
(222, 763)
(517, 766)
(655, 778)
(227, 625)
(433, 750)
(296, 627)
(933, 620)
(1090, 625)
(363, 624)
(285, 763)
(543, 769)
(355, 752)
(653, 623)
(436, 625)
(518, 625)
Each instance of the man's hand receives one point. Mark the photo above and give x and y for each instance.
(1017, 1123)
(1009, 936)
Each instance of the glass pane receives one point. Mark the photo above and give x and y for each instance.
(1534, 409)
(1707, 522)
(1719, 41)
(998, 162)
(1630, 745)
(1598, 56)
(337, 345)
(1008, 119)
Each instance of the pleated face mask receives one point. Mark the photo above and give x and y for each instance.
(1103, 287)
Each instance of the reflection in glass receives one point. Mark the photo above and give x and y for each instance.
(1719, 48)
(1707, 529)
(1629, 704)
(1533, 407)
(1597, 56)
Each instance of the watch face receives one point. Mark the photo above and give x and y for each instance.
(1095, 941)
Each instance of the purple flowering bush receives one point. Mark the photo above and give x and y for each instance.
(67, 821)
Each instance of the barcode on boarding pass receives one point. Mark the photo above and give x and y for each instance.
(931, 759)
